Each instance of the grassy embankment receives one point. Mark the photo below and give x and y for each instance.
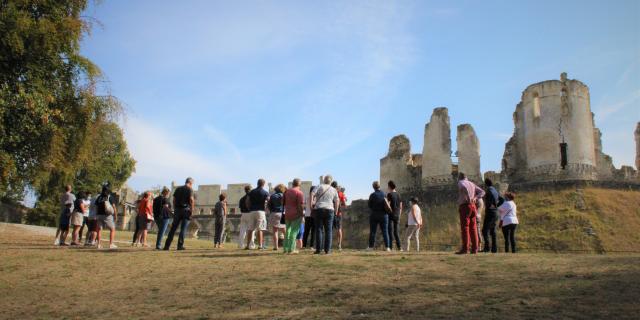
(592, 220)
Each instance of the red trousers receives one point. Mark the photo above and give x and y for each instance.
(468, 227)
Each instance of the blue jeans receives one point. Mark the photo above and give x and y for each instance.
(182, 219)
(162, 229)
(383, 221)
(323, 222)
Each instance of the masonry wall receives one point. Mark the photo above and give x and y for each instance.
(436, 152)
(398, 164)
(468, 152)
(637, 136)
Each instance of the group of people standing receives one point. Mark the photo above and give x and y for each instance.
(503, 210)
(96, 213)
(297, 219)
(292, 216)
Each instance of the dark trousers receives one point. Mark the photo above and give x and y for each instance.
(383, 221)
(219, 229)
(509, 233)
(394, 232)
(135, 233)
(182, 219)
(324, 229)
(468, 227)
(489, 230)
(162, 229)
(309, 232)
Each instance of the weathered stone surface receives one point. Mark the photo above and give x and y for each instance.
(436, 152)
(468, 153)
(637, 136)
(398, 165)
(206, 197)
(552, 112)
(604, 162)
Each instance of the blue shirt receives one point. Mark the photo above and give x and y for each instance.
(257, 199)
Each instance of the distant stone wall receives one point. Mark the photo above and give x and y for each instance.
(468, 153)
(637, 136)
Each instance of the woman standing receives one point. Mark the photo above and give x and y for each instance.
(276, 208)
(77, 217)
(220, 212)
(509, 221)
(145, 218)
(414, 224)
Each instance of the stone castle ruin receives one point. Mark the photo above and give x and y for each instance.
(555, 139)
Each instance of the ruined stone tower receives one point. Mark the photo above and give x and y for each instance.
(436, 152)
(554, 136)
(468, 152)
(432, 168)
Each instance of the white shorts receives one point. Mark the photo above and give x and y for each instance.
(257, 221)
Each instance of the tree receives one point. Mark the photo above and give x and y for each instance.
(50, 114)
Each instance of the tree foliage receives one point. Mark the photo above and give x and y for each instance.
(54, 128)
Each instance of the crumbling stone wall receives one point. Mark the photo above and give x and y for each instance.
(550, 113)
(436, 152)
(468, 152)
(398, 165)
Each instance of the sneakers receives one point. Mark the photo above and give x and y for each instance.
(388, 249)
(295, 252)
(369, 249)
(113, 246)
(99, 246)
(340, 248)
(56, 242)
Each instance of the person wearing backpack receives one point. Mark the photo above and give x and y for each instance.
(107, 216)
(276, 214)
(380, 209)
(325, 204)
(491, 204)
(77, 217)
(162, 215)
(183, 204)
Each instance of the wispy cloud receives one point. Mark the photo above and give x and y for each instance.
(607, 110)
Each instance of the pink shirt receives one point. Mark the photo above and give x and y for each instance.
(292, 199)
(468, 192)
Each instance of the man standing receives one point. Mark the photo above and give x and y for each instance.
(395, 202)
(379, 216)
(162, 215)
(293, 202)
(325, 204)
(308, 235)
(63, 223)
(468, 193)
(491, 204)
(257, 202)
(245, 218)
(183, 204)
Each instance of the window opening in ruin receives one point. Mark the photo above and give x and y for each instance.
(536, 106)
(563, 155)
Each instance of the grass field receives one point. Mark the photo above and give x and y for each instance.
(38, 280)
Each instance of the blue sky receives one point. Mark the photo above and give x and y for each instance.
(230, 91)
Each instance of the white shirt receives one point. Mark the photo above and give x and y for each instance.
(87, 204)
(508, 213)
(93, 210)
(412, 221)
(326, 196)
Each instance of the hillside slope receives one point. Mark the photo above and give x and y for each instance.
(590, 219)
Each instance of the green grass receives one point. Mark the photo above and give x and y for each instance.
(38, 280)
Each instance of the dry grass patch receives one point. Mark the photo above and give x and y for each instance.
(38, 280)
